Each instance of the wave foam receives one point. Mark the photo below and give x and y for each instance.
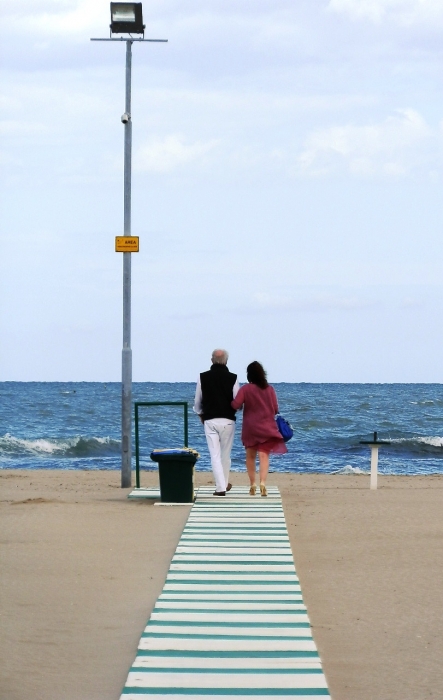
(433, 441)
(78, 446)
(349, 469)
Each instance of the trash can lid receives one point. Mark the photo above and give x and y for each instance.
(176, 450)
(183, 451)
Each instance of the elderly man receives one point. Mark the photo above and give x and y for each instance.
(213, 395)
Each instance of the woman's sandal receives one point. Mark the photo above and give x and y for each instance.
(252, 490)
(263, 491)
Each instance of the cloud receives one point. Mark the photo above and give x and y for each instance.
(393, 147)
(271, 304)
(318, 302)
(55, 17)
(405, 12)
(260, 23)
(165, 155)
(10, 126)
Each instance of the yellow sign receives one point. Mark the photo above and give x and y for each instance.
(126, 244)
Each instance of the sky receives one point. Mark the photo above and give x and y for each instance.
(287, 190)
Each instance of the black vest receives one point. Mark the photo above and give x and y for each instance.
(217, 385)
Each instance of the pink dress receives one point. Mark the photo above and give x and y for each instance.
(259, 430)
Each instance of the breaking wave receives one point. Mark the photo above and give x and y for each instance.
(74, 447)
(432, 445)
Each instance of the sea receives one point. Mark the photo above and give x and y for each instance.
(76, 425)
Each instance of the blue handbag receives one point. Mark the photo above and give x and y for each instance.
(284, 427)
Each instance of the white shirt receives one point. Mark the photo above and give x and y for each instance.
(198, 408)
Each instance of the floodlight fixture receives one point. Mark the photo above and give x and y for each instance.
(127, 18)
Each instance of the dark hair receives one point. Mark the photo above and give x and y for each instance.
(256, 374)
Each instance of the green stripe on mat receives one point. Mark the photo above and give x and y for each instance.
(230, 654)
(192, 611)
(323, 692)
(248, 625)
(193, 669)
(276, 581)
(264, 638)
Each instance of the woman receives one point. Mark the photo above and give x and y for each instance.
(259, 431)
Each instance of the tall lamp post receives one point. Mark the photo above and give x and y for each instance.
(127, 18)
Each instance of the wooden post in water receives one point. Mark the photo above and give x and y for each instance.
(374, 466)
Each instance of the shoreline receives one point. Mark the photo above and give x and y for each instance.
(346, 471)
(83, 566)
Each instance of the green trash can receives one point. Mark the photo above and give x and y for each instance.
(176, 474)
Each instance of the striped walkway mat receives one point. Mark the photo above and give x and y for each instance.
(205, 492)
(237, 492)
(230, 621)
(145, 492)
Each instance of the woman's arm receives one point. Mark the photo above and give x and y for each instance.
(239, 400)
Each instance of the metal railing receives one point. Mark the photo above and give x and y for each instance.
(137, 404)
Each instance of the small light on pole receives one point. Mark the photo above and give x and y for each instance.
(127, 18)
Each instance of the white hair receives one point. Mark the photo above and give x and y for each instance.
(219, 357)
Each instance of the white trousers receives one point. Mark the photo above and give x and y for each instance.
(220, 437)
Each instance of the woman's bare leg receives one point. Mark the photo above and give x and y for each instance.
(264, 466)
(251, 456)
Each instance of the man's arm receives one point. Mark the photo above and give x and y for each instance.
(235, 389)
(198, 408)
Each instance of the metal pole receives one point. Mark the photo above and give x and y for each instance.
(137, 449)
(127, 352)
(126, 472)
(185, 409)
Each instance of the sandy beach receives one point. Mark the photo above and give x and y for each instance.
(82, 567)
